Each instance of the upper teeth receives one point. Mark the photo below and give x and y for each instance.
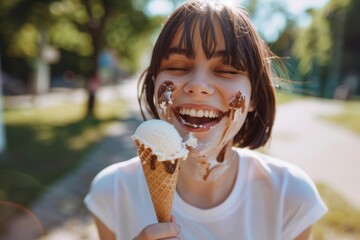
(199, 113)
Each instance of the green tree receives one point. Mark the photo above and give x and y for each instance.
(81, 27)
(23, 32)
(351, 54)
(319, 47)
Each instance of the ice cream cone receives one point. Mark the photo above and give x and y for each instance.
(161, 183)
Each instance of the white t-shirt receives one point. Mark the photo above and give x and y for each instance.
(271, 199)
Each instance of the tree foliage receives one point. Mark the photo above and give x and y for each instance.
(313, 44)
(351, 60)
(80, 27)
(328, 49)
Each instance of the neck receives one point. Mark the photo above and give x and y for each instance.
(206, 182)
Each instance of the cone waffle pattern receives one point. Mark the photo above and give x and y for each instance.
(161, 184)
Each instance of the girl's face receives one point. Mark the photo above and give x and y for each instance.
(203, 95)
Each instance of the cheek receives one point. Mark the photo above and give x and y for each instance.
(231, 87)
(164, 98)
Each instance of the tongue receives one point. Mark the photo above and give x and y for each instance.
(197, 120)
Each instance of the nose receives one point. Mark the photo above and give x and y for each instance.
(199, 84)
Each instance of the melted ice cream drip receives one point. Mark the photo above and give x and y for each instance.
(165, 97)
(170, 166)
(214, 168)
(190, 124)
(211, 169)
(220, 158)
(190, 141)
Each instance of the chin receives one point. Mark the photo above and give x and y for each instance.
(209, 142)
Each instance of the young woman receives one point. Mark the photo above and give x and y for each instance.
(217, 75)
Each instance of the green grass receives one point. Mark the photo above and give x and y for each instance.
(349, 117)
(341, 222)
(285, 97)
(44, 144)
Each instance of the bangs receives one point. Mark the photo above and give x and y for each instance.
(186, 23)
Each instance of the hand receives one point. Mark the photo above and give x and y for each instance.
(168, 230)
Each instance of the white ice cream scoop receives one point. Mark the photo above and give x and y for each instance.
(163, 139)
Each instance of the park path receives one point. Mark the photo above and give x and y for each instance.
(328, 153)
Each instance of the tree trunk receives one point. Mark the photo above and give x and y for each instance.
(95, 29)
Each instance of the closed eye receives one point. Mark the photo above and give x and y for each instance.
(228, 73)
(176, 69)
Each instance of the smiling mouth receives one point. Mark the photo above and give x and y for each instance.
(198, 118)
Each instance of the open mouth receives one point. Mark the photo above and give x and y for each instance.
(198, 118)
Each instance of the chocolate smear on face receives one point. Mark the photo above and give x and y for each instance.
(165, 97)
(237, 102)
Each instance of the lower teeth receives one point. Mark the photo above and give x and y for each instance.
(193, 125)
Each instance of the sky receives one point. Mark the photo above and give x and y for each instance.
(270, 28)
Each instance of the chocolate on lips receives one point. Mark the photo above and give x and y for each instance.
(165, 95)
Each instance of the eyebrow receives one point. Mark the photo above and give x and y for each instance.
(185, 52)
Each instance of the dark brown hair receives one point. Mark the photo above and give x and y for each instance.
(244, 50)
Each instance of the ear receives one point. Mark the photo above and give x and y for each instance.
(251, 106)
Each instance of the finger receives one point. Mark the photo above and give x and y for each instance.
(172, 218)
(160, 231)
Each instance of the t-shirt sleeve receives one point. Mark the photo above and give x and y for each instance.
(303, 205)
(100, 199)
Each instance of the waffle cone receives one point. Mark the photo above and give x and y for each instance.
(161, 184)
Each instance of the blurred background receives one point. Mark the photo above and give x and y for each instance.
(68, 72)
